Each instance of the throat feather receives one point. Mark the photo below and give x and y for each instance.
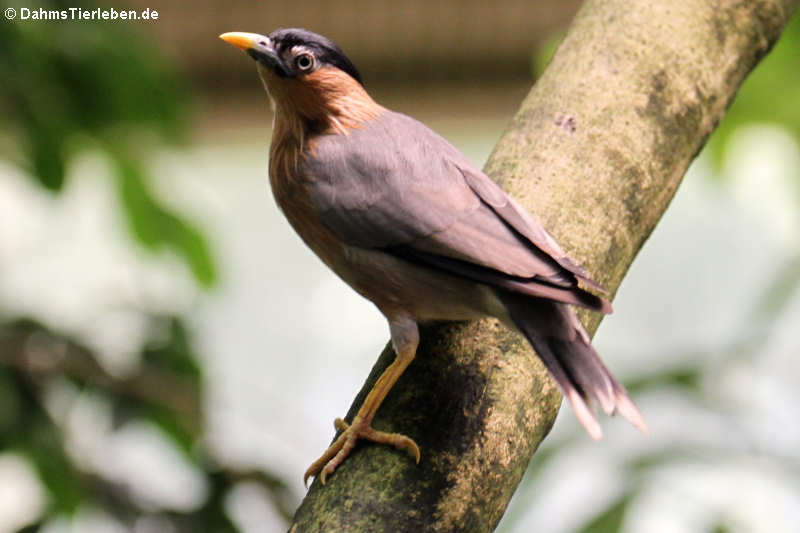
(327, 101)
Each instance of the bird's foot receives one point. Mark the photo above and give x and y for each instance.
(344, 444)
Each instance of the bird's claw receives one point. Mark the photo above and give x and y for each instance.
(344, 444)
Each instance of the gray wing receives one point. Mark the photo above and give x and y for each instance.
(396, 185)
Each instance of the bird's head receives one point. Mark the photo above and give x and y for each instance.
(305, 74)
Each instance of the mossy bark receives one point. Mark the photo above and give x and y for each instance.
(596, 152)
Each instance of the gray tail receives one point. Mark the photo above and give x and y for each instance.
(564, 347)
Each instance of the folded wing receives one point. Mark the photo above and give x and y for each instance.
(397, 186)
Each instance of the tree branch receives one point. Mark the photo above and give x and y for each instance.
(596, 151)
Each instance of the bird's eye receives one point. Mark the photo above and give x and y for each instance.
(304, 61)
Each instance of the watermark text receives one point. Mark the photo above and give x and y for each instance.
(79, 14)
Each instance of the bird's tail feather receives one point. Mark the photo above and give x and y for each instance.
(564, 347)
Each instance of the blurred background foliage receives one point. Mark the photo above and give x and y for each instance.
(109, 91)
(69, 88)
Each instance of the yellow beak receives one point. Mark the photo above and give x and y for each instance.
(243, 40)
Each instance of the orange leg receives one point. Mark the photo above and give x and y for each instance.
(405, 338)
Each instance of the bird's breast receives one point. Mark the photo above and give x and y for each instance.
(290, 189)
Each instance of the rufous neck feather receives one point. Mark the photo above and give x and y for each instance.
(325, 101)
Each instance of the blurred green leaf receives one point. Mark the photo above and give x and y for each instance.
(35, 437)
(11, 407)
(721, 528)
(611, 519)
(169, 354)
(154, 226)
(643, 463)
(545, 51)
(44, 448)
(769, 95)
(174, 352)
(685, 377)
(93, 76)
(150, 394)
(48, 162)
(212, 515)
(170, 423)
(69, 85)
(168, 358)
(33, 434)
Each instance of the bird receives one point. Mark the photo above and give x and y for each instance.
(405, 219)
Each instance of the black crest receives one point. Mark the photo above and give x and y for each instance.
(324, 49)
